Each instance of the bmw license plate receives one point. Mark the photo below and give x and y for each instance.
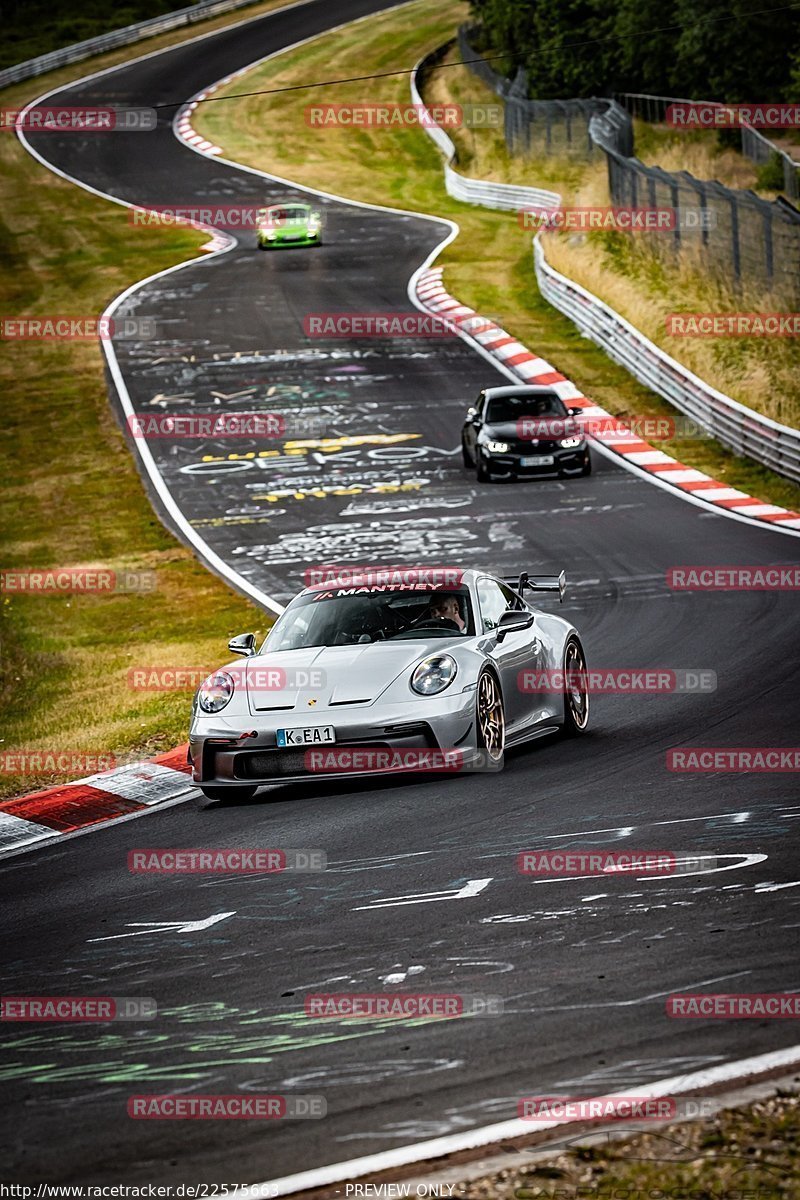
(537, 460)
(316, 735)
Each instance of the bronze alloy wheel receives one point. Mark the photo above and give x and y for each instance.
(576, 694)
(491, 717)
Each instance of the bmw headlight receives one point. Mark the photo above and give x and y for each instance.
(434, 674)
(497, 447)
(215, 692)
(569, 442)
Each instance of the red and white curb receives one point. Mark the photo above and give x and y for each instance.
(620, 440)
(95, 800)
(187, 133)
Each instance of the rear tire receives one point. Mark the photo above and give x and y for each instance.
(228, 793)
(576, 698)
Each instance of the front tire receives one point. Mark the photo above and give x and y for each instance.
(490, 719)
(228, 793)
(587, 466)
(483, 470)
(576, 694)
(467, 457)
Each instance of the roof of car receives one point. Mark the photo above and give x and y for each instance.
(525, 389)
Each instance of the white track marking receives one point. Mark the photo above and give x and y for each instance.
(473, 887)
(166, 927)
(16, 832)
(386, 1160)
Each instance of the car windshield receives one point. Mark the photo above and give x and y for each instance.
(288, 214)
(345, 616)
(513, 407)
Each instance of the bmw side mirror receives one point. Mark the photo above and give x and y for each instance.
(574, 412)
(513, 620)
(243, 643)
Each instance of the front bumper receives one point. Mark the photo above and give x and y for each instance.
(570, 461)
(309, 239)
(222, 757)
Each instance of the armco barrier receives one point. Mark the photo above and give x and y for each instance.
(735, 426)
(741, 429)
(118, 37)
(507, 196)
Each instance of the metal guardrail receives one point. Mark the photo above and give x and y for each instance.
(507, 196)
(118, 37)
(737, 427)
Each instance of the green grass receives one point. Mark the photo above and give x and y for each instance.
(31, 27)
(72, 495)
(402, 168)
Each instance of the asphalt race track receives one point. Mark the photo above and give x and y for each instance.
(583, 966)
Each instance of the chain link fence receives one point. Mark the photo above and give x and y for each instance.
(738, 237)
(534, 127)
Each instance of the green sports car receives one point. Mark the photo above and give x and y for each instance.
(288, 225)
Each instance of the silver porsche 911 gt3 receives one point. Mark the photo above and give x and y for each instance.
(404, 669)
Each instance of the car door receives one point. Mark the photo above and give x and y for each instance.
(515, 652)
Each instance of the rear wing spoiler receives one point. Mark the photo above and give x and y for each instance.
(538, 583)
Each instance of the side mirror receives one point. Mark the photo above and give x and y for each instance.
(513, 620)
(574, 412)
(243, 643)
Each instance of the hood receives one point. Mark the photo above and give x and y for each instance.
(508, 431)
(333, 676)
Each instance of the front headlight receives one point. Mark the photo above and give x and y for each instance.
(215, 692)
(434, 674)
(271, 234)
(569, 442)
(497, 447)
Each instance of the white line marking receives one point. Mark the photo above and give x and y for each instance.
(473, 887)
(166, 927)
(402, 1156)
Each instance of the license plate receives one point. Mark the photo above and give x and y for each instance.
(538, 460)
(316, 735)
